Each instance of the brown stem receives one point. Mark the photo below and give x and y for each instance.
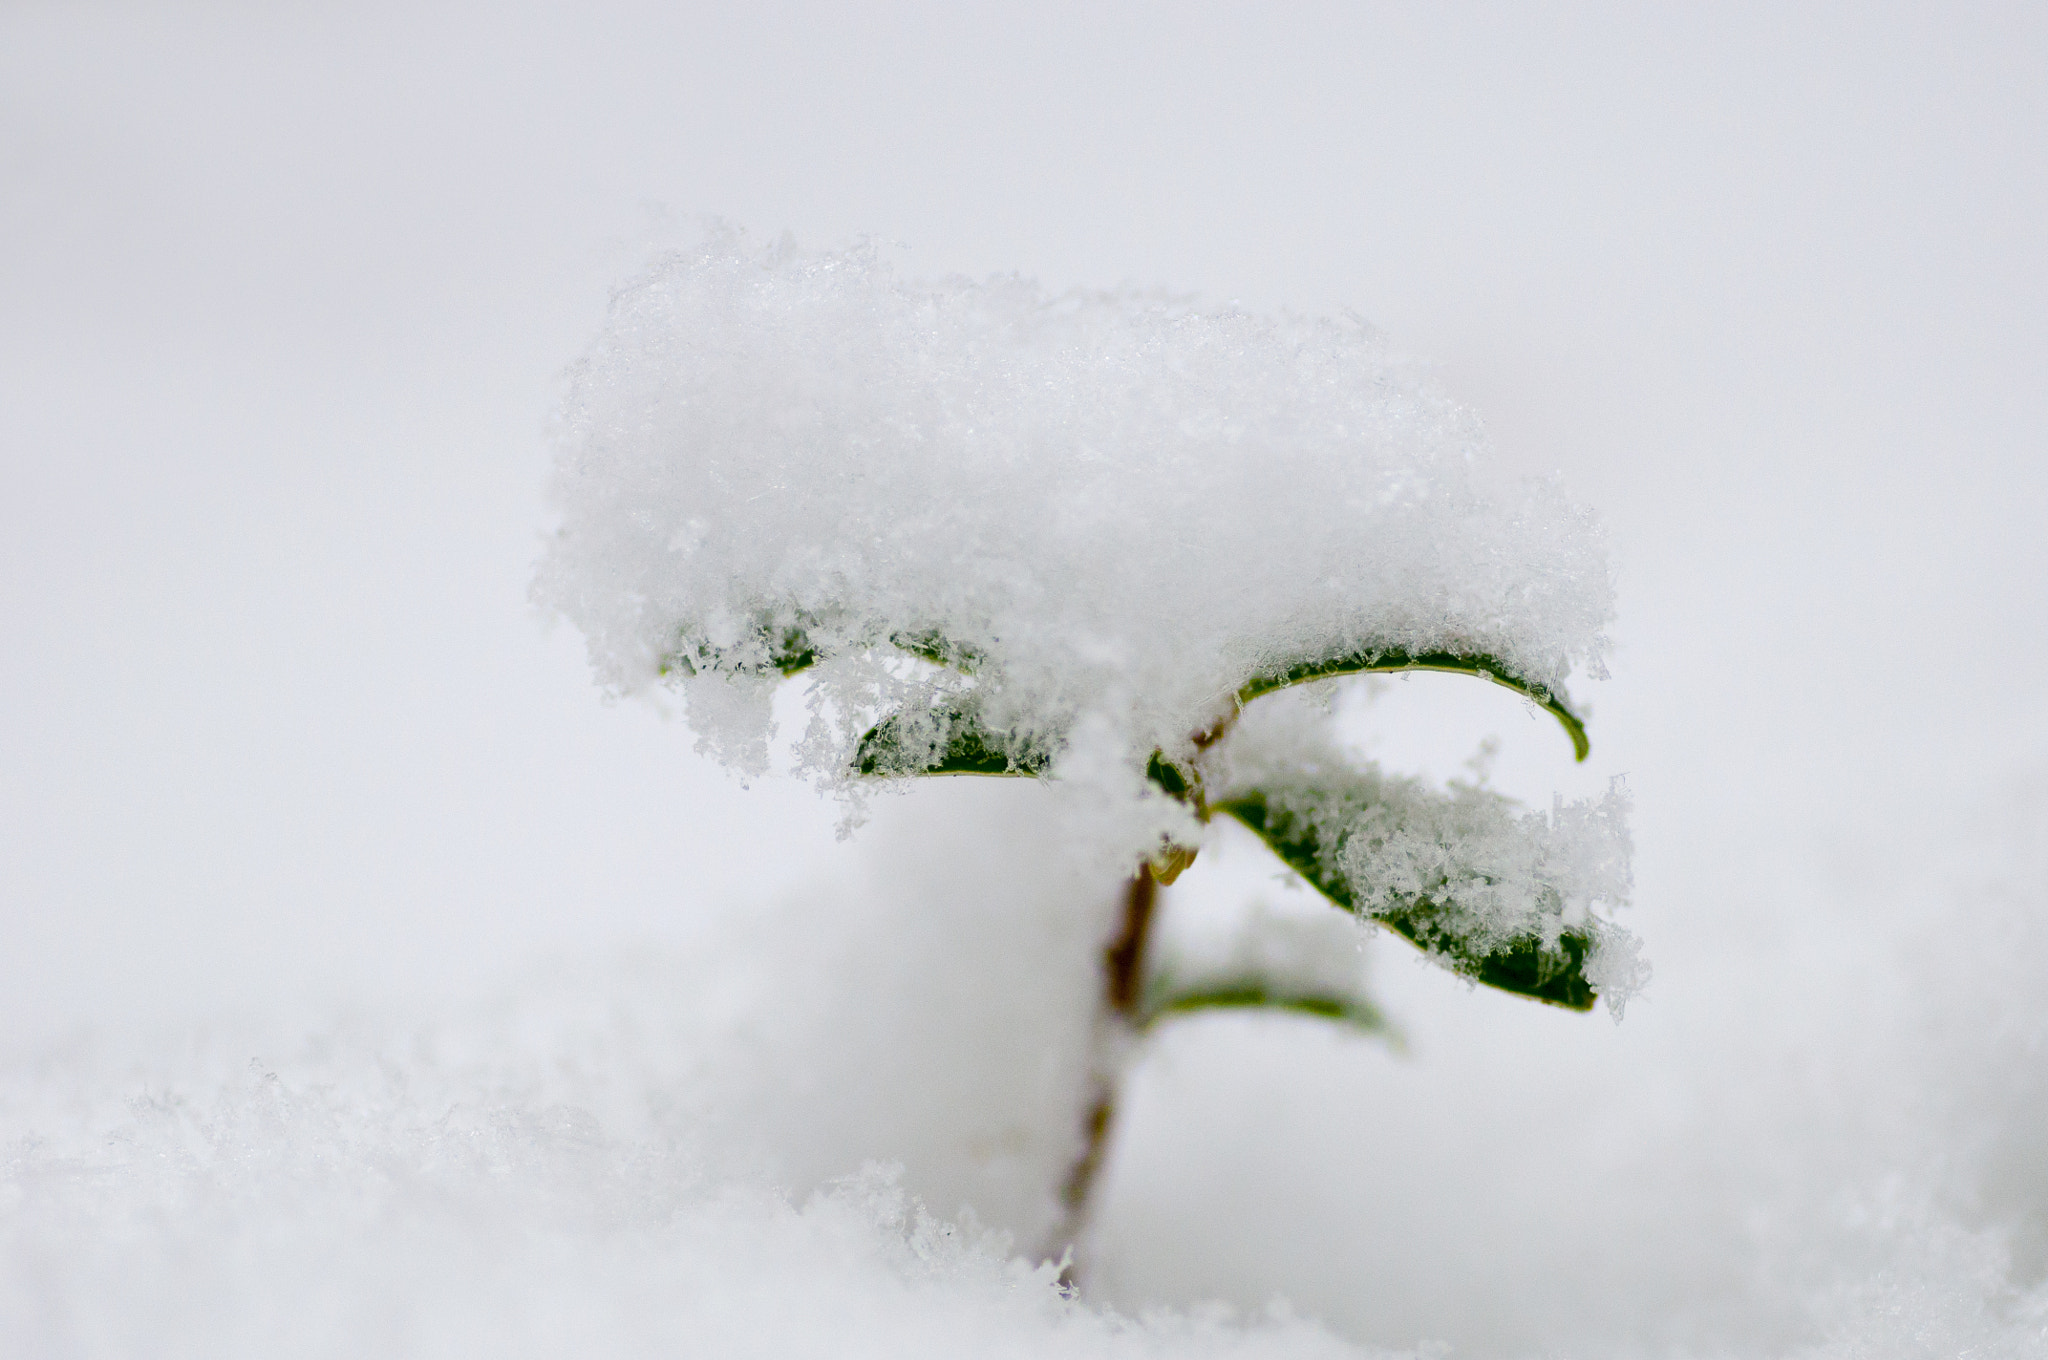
(1123, 961)
(1123, 967)
(1218, 730)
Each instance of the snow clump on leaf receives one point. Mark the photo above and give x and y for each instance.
(1492, 893)
(999, 516)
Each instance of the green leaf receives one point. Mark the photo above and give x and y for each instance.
(966, 750)
(933, 646)
(1168, 776)
(792, 652)
(789, 650)
(1523, 966)
(1394, 659)
(1353, 1012)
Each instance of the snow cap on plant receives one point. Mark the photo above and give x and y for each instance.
(1012, 531)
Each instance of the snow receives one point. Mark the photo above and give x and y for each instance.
(1106, 509)
(694, 1153)
(763, 1145)
(1084, 528)
(366, 1200)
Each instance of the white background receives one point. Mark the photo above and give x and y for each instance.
(286, 295)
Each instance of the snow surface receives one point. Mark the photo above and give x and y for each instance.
(370, 1198)
(689, 1152)
(597, 1162)
(1112, 508)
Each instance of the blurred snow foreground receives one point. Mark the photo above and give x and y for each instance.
(669, 1155)
(1001, 531)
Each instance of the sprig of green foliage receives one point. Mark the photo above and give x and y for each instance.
(950, 740)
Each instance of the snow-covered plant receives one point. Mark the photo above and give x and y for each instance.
(1081, 538)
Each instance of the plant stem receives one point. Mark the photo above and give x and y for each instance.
(1123, 961)
(1123, 981)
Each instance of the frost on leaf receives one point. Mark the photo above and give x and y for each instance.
(981, 500)
(1494, 894)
